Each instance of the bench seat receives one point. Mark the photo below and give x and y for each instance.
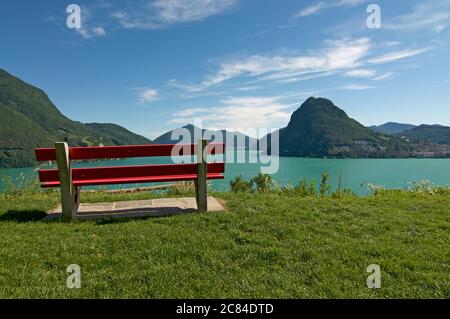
(134, 180)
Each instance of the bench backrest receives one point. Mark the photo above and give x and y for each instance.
(114, 152)
(129, 174)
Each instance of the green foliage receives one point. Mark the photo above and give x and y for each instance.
(265, 183)
(433, 133)
(239, 185)
(288, 189)
(312, 188)
(374, 188)
(185, 188)
(31, 120)
(324, 185)
(343, 192)
(19, 185)
(302, 188)
(419, 187)
(266, 245)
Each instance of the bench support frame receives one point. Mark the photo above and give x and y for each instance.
(201, 189)
(70, 195)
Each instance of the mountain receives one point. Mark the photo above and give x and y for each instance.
(222, 136)
(392, 128)
(321, 129)
(434, 133)
(117, 134)
(29, 120)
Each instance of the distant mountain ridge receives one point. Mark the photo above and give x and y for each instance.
(391, 128)
(221, 135)
(30, 120)
(321, 129)
(434, 133)
(317, 129)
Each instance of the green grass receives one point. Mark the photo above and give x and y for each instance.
(264, 246)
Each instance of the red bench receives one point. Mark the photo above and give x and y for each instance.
(70, 180)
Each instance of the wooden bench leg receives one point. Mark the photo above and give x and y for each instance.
(201, 183)
(76, 200)
(69, 194)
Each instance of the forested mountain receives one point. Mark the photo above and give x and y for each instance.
(321, 129)
(29, 120)
(392, 128)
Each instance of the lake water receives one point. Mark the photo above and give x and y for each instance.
(390, 173)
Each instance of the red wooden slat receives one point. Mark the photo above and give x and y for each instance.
(48, 175)
(45, 154)
(136, 180)
(108, 152)
(124, 172)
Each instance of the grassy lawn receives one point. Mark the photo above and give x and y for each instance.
(264, 246)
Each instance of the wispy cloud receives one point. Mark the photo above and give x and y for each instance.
(356, 87)
(431, 15)
(384, 76)
(240, 113)
(164, 13)
(340, 54)
(147, 95)
(89, 29)
(398, 55)
(91, 32)
(101, 16)
(248, 88)
(361, 73)
(324, 5)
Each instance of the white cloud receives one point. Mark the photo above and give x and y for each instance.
(305, 78)
(356, 87)
(88, 32)
(439, 28)
(311, 10)
(247, 88)
(323, 5)
(342, 54)
(240, 113)
(388, 44)
(384, 76)
(147, 96)
(361, 73)
(398, 55)
(430, 15)
(164, 13)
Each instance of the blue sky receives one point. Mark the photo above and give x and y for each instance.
(155, 65)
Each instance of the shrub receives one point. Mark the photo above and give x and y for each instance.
(20, 184)
(183, 188)
(288, 189)
(324, 186)
(312, 188)
(265, 183)
(239, 185)
(302, 188)
(427, 187)
(342, 192)
(375, 189)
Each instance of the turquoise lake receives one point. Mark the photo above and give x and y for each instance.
(390, 173)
